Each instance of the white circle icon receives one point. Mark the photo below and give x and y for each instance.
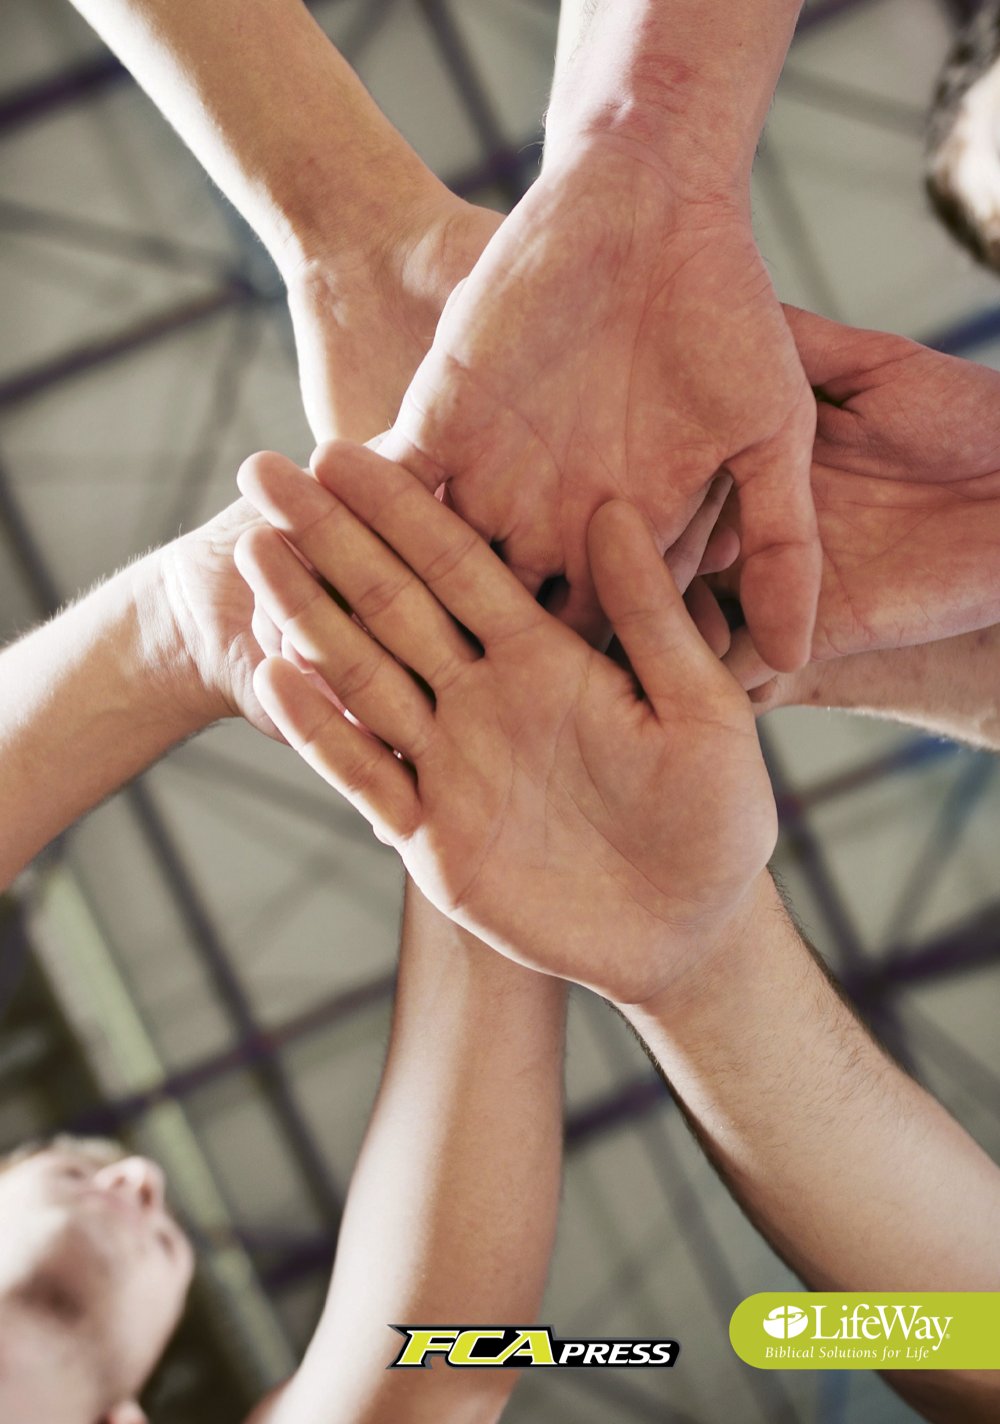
(786, 1321)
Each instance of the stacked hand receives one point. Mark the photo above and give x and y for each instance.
(615, 343)
(578, 822)
(906, 479)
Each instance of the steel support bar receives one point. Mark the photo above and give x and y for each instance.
(47, 96)
(113, 241)
(916, 753)
(815, 16)
(972, 946)
(467, 80)
(966, 335)
(626, 1104)
(214, 956)
(15, 950)
(90, 355)
(807, 851)
(263, 1044)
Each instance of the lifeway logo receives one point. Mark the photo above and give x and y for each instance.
(785, 1322)
(865, 1322)
(492, 1347)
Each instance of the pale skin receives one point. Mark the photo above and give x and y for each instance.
(452, 1209)
(368, 241)
(906, 479)
(672, 362)
(452, 1212)
(93, 1275)
(657, 824)
(544, 396)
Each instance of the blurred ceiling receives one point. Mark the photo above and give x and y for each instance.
(205, 964)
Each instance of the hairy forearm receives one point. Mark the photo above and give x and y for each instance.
(451, 1213)
(950, 688)
(812, 1124)
(278, 118)
(86, 702)
(855, 1174)
(688, 81)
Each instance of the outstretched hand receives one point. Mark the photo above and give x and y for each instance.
(581, 824)
(614, 343)
(906, 480)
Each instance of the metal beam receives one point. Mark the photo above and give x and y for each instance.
(114, 241)
(260, 1046)
(966, 335)
(973, 945)
(42, 97)
(91, 355)
(471, 90)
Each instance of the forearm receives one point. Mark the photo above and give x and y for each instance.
(277, 117)
(688, 81)
(451, 1214)
(86, 702)
(851, 1170)
(950, 688)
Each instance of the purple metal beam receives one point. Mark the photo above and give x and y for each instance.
(916, 753)
(47, 96)
(966, 335)
(89, 355)
(626, 1104)
(262, 1044)
(971, 946)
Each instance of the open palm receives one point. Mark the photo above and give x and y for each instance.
(576, 823)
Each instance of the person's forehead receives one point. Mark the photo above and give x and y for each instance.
(60, 1155)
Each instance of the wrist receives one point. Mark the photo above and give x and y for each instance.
(171, 641)
(407, 262)
(662, 84)
(720, 955)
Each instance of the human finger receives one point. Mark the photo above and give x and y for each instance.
(365, 678)
(745, 663)
(353, 762)
(685, 557)
(671, 660)
(707, 616)
(378, 586)
(781, 553)
(447, 555)
(266, 632)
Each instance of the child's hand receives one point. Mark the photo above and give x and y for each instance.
(580, 825)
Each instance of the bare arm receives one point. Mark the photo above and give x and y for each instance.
(950, 688)
(93, 696)
(671, 361)
(636, 831)
(369, 242)
(847, 1166)
(452, 1208)
(690, 79)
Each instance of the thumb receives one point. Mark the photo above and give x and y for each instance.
(673, 663)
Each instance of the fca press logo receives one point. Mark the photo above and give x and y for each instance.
(785, 1322)
(491, 1347)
